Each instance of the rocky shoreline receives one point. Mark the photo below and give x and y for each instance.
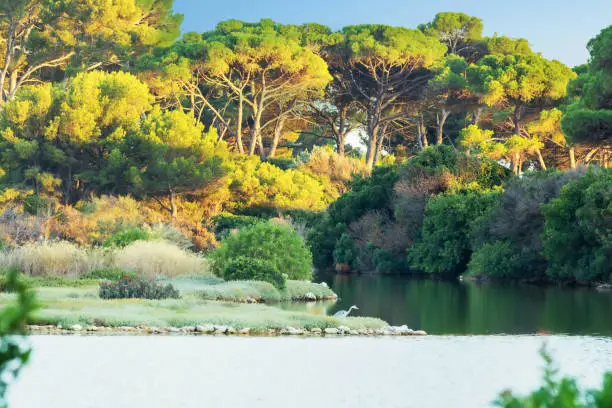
(210, 329)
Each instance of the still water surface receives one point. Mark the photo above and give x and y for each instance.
(195, 372)
(470, 308)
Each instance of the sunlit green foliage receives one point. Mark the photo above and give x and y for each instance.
(77, 35)
(269, 241)
(455, 30)
(589, 119)
(250, 268)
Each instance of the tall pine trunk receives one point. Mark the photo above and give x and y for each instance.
(572, 156)
(440, 121)
(278, 131)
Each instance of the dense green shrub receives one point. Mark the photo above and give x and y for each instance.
(37, 205)
(503, 260)
(132, 287)
(279, 244)
(444, 246)
(367, 194)
(397, 195)
(111, 274)
(346, 251)
(224, 223)
(507, 240)
(244, 268)
(578, 230)
(283, 163)
(121, 239)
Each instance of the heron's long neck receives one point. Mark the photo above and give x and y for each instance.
(350, 309)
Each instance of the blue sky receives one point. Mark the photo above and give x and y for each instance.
(558, 29)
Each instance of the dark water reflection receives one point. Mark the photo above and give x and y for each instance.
(470, 308)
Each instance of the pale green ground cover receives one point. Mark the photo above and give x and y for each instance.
(81, 305)
(238, 291)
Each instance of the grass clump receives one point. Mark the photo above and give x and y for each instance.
(241, 291)
(111, 274)
(244, 268)
(299, 290)
(45, 281)
(131, 287)
(50, 259)
(153, 259)
(264, 292)
(121, 239)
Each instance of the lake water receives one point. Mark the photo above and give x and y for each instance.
(456, 367)
(208, 371)
(468, 308)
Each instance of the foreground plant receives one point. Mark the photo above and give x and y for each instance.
(14, 353)
(559, 392)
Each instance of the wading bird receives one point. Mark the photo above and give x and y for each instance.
(344, 313)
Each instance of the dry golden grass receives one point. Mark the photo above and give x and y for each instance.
(53, 259)
(339, 169)
(159, 258)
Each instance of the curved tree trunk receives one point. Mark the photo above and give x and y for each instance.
(278, 131)
(440, 121)
(541, 159)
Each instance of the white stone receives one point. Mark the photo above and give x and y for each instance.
(315, 330)
(206, 328)
(310, 296)
(420, 333)
(331, 330)
(343, 329)
(76, 327)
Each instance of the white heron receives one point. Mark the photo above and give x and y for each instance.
(345, 313)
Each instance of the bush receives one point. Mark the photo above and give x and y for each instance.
(444, 245)
(244, 268)
(225, 223)
(111, 274)
(124, 238)
(346, 251)
(578, 229)
(503, 260)
(132, 287)
(37, 205)
(368, 194)
(153, 259)
(282, 246)
(51, 259)
(512, 230)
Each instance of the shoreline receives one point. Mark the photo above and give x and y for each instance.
(218, 330)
